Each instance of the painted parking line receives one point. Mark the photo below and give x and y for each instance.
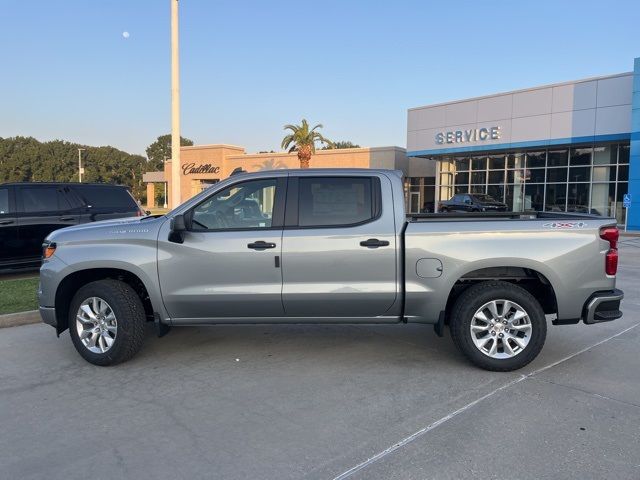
(446, 418)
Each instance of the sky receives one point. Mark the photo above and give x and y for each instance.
(97, 72)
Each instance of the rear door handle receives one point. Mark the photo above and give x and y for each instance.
(6, 222)
(261, 245)
(374, 243)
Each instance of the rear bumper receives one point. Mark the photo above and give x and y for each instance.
(48, 315)
(603, 306)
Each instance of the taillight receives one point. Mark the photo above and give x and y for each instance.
(611, 235)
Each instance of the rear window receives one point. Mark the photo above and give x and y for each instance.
(43, 199)
(106, 196)
(334, 201)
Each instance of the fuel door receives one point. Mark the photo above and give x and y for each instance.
(429, 268)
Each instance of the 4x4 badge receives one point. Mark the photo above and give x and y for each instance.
(564, 225)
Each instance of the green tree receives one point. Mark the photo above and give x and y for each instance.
(160, 150)
(341, 144)
(303, 140)
(25, 159)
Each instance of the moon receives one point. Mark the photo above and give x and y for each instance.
(125, 34)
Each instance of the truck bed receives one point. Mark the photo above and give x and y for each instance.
(565, 249)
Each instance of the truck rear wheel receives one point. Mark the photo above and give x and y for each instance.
(498, 326)
(106, 322)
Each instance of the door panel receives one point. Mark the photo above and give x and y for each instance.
(326, 270)
(228, 264)
(215, 274)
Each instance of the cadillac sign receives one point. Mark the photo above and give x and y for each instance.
(471, 135)
(191, 168)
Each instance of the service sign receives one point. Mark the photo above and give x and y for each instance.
(468, 135)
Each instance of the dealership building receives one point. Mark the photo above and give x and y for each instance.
(572, 146)
(204, 165)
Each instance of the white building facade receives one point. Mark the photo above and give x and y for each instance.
(561, 147)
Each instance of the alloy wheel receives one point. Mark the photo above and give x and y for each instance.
(501, 329)
(96, 325)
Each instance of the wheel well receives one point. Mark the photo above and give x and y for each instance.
(73, 282)
(534, 282)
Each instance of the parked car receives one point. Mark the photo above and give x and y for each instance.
(31, 211)
(472, 202)
(330, 246)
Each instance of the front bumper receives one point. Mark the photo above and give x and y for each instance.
(48, 315)
(602, 307)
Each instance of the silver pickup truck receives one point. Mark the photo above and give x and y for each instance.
(329, 246)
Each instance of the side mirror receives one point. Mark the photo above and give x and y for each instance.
(178, 227)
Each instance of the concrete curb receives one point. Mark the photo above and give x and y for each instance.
(20, 318)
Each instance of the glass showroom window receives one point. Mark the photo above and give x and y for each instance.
(419, 192)
(588, 179)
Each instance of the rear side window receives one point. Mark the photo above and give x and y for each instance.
(334, 201)
(106, 196)
(43, 199)
(4, 200)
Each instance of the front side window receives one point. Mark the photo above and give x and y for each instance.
(106, 197)
(245, 205)
(326, 201)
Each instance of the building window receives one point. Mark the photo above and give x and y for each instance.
(590, 178)
(420, 194)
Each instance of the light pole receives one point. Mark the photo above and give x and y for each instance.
(80, 150)
(175, 108)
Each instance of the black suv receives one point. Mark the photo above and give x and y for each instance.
(30, 211)
(472, 202)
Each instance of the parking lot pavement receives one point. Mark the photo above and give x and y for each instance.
(325, 402)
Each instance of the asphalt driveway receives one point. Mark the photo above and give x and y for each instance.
(325, 402)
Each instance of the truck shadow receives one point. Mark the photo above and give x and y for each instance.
(365, 344)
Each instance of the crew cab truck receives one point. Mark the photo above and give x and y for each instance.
(329, 246)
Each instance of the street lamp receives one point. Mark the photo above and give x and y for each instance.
(80, 169)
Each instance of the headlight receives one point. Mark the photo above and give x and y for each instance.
(48, 249)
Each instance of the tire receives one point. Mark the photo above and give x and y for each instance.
(116, 328)
(521, 338)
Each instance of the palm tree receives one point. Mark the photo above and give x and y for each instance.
(303, 140)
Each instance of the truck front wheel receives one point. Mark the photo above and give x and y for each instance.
(106, 322)
(499, 326)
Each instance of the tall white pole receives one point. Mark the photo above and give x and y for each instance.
(80, 150)
(175, 108)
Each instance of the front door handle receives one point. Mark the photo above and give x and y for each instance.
(6, 222)
(374, 243)
(66, 219)
(261, 245)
